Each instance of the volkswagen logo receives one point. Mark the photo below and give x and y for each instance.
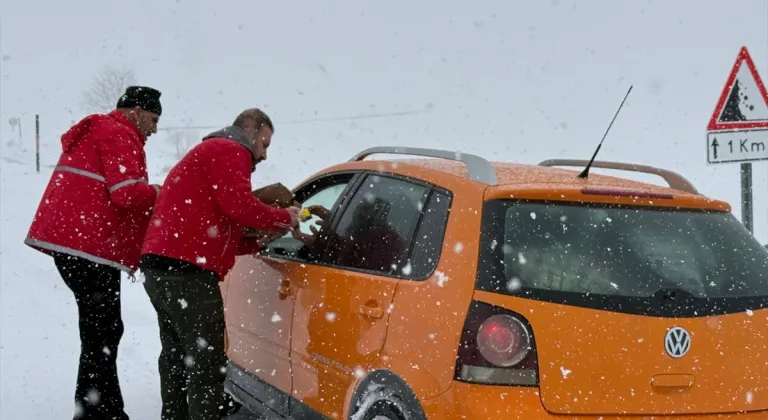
(677, 342)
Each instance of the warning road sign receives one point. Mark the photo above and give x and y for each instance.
(738, 128)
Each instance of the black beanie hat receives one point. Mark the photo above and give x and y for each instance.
(143, 97)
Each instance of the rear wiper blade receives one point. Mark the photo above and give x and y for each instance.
(673, 294)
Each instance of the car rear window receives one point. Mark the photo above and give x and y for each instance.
(633, 252)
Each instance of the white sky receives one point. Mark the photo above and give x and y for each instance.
(518, 81)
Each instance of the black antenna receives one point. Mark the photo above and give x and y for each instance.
(585, 172)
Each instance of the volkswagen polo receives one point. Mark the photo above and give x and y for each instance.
(451, 287)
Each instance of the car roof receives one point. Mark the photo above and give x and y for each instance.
(512, 174)
(508, 173)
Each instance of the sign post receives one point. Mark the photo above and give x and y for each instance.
(738, 129)
(37, 143)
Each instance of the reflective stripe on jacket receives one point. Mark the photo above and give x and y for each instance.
(98, 202)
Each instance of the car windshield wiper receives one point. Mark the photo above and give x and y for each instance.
(673, 294)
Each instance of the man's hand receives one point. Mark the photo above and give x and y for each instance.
(320, 211)
(295, 219)
(306, 238)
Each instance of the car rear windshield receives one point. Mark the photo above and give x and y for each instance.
(635, 252)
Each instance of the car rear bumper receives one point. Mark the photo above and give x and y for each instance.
(466, 401)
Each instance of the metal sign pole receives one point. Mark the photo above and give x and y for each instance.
(747, 212)
(37, 142)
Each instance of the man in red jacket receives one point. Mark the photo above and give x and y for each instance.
(92, 219)
(190, 246)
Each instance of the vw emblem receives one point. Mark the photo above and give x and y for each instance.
(677, 342)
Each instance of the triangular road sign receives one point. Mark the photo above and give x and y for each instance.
(743, 104)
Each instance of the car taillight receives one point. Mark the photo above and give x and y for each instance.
(497, 348)
(503, 340)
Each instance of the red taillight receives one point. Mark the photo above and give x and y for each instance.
(497, 348)
(624, 193)
(503, 340)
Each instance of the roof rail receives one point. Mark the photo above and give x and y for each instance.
(478, 168)
(675, 180)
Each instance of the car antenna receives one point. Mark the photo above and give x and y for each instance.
(585, 172)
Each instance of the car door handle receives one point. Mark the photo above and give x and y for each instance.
(284, 290)
(371, 311)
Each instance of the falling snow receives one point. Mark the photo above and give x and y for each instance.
(407, 269)
(514, 284)
(441, 278)
(93, 397)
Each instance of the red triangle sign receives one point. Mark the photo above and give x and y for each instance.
(743, 104)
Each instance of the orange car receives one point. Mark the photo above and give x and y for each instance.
(456, 288)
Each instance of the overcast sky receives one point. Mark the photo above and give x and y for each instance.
(517, 81)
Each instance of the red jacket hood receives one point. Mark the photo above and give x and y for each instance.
(85, 126)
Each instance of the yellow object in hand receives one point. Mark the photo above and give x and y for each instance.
(304, 214)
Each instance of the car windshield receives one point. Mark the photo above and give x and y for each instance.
(622, 251)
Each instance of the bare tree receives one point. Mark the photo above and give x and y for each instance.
(182, 140)
(106, 89)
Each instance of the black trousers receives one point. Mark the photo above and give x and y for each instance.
(192, 362)
(97, 292)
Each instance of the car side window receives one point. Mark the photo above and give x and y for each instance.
(326, 193)
(428, 243)
(326, 198)
(377, 227)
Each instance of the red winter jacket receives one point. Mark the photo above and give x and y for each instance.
(97, 203)
(206, 201)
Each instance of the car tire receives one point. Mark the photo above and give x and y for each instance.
(381, 410)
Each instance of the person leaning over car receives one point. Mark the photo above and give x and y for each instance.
(91, 219)
(190, 246)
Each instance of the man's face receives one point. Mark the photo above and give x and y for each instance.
(261, 141)
(147, 121)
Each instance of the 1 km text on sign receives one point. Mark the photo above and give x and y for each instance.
(738, 128)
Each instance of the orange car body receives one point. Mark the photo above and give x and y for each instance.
(310, 337)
